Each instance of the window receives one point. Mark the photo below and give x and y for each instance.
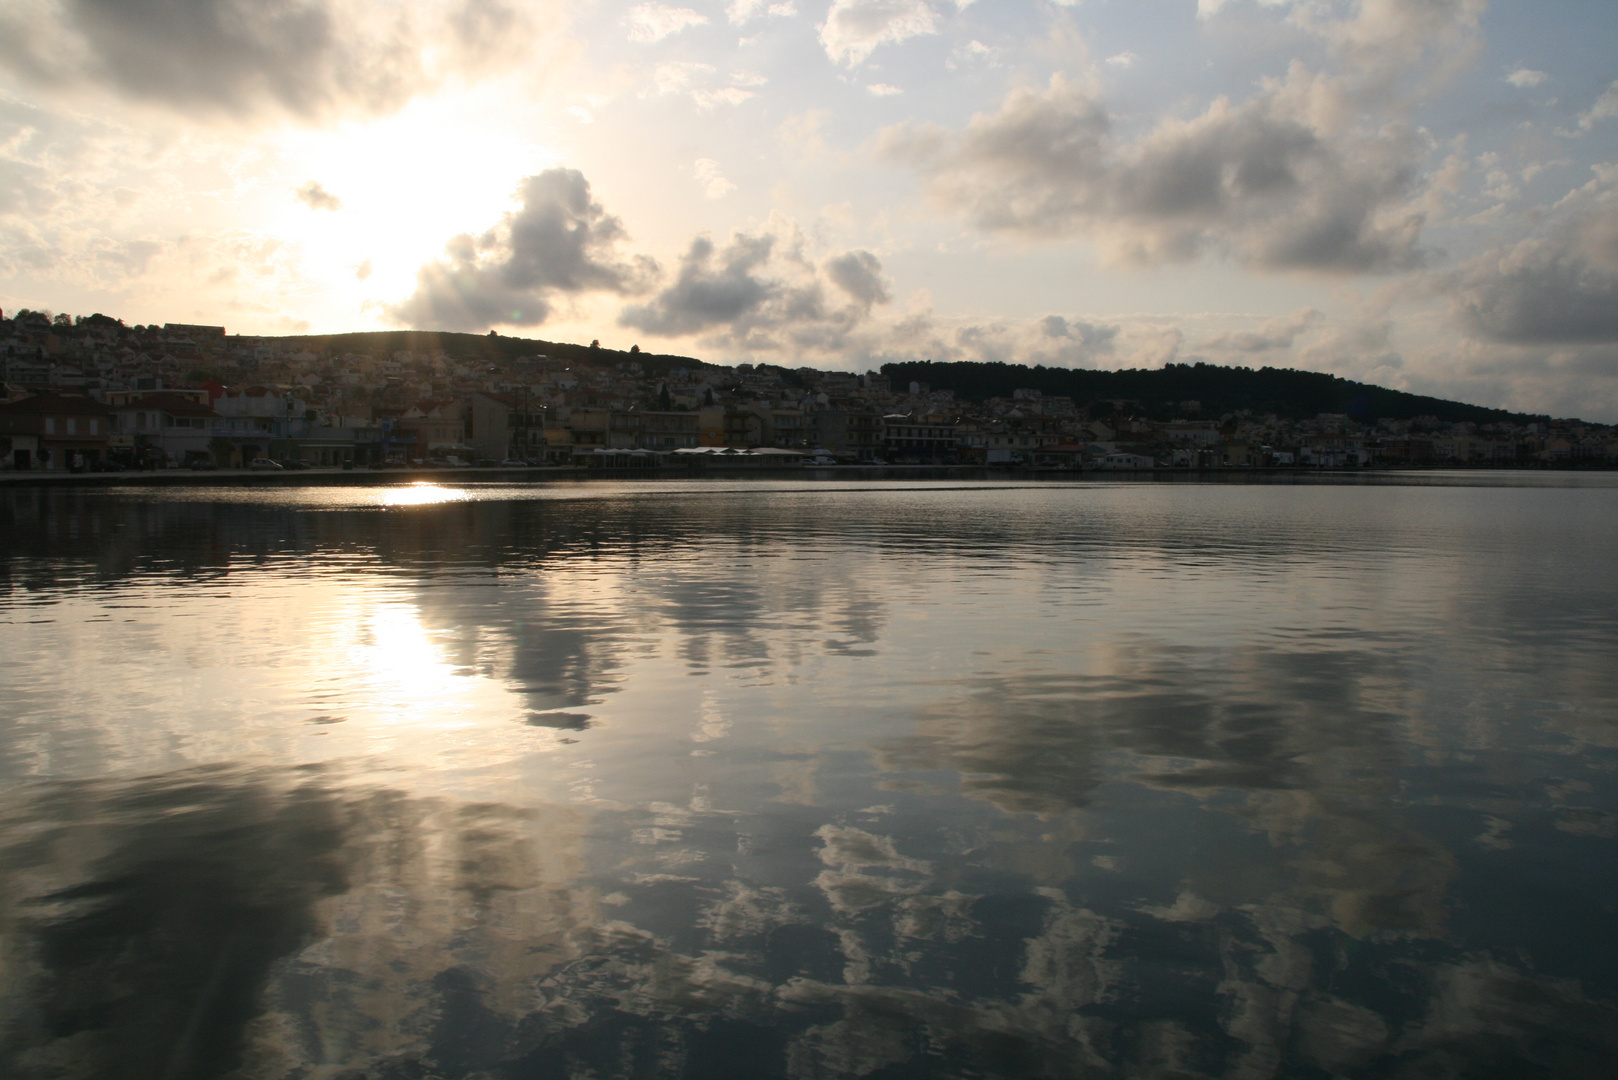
(95, 427)
(72, 426)
(50, 425)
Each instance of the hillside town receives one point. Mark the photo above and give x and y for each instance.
(88, 394)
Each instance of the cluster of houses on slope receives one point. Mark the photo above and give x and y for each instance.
(91, 393)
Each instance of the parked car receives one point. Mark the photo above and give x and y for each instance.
(203, 465)
(513, 463)
(292, 463)
(264, 464)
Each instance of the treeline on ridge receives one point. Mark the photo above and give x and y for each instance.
(1151, 393)
(1162, 393)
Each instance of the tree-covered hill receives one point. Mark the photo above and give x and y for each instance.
(1161, 393)
(1158, 393)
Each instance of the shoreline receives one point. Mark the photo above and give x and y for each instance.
(339, 477)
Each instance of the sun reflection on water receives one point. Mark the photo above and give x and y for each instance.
(421, 493)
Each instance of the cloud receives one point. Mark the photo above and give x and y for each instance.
(1273, 334)
(1523, 78)
(560, 242)
(677, 76)
(1207, 9)
(311, 59)
(882, 89)
(1054, 341)
(713, 181)
(859, 274)
(762, 292)
(1386, 49)
(1082, 340)
(1122, 60)
(853, 28)
(1556, 289)
(725, 95)
(654, 22)
(1268, 183)
(973, 52)
(318, 198)
(713, 288)
(741, 12)
(1605, 108)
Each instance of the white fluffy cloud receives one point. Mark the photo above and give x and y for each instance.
(1207, 9)
(654, 22)
(702, 82)
(712, 178)
(742, 12)
(854, 28)
(1605, 108)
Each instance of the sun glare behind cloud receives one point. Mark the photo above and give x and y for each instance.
(386, 194)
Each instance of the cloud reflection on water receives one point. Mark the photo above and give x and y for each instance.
(1039, 783)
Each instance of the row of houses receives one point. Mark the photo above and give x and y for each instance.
(506, 426)
(218, 426)
(167, 428)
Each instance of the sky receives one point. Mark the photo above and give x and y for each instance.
(1417, 193)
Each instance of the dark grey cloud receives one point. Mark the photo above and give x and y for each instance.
(859, 274)
(1261, 182)
(308, 58)
(1548, 290)
(1087, 335)
(318, 198)
(761, 291)
(709, 290)
(561, 242)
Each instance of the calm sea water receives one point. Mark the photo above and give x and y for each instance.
(811, 780)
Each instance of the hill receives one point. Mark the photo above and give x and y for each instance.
(1161, 393)
(1157, 393)
(486, 347)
